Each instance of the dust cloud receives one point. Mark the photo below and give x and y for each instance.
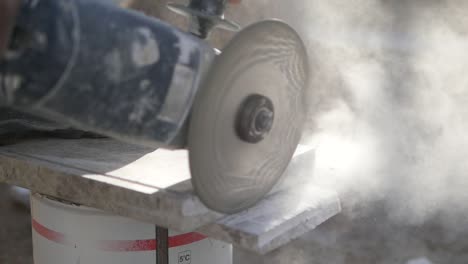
(388, 101)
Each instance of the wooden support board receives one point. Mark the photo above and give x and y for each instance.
(154, 186)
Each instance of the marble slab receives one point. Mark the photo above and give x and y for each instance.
(154, 186)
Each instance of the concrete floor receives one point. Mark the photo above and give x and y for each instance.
(369, 239)
(15, 231)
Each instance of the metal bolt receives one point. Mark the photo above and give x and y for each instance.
(255, 118)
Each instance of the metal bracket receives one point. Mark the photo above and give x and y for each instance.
(205, 15)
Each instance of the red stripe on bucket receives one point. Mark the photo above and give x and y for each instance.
(185, 239)
(48, 233)
(127, 245)
(119, 245)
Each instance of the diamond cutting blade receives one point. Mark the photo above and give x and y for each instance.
(248, 117)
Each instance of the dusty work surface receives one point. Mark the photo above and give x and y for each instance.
(154, 186)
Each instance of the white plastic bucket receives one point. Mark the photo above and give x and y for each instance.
(73, 234)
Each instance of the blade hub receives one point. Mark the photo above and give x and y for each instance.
(255, 118)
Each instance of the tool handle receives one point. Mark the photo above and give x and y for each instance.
(102, 68)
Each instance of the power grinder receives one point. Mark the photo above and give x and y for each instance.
(109, 70)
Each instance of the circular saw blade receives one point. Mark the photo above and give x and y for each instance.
(229, 174)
